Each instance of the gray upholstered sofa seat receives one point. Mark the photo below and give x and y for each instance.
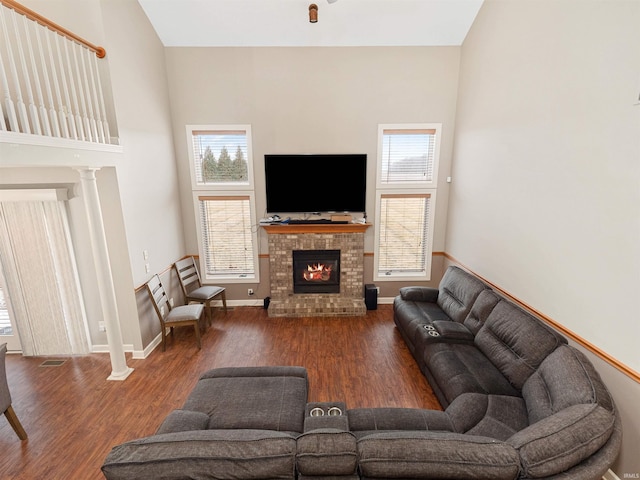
(236, 423)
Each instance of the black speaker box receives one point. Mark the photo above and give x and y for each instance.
(371, 296)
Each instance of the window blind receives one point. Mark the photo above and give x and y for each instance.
(227, 239)
(407, 155)
(404, 219)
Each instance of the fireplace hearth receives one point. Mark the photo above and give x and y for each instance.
(316, 271)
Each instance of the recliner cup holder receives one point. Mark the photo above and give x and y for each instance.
(335, 411)
(433, 333)
(316, 412)
(429, 327)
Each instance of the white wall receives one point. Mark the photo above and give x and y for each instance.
(545, 200)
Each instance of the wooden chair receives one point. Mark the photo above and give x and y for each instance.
(180, 316)
(5, 397)
(193, 289)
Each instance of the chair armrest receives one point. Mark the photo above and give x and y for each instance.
(419, 294)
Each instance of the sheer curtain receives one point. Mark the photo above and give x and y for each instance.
(41, 277)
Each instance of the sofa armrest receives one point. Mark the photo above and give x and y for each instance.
(184, 421)
(419, 294)
(453, 331)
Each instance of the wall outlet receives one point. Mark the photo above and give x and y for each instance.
(102, 327)
(171, 302)
(250, 291)
(378, 290)
(147, 268)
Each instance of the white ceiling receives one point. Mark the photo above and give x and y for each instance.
(217, 23)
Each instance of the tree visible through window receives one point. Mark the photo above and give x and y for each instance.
(213, 161)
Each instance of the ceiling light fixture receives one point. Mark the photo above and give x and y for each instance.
(313, 13)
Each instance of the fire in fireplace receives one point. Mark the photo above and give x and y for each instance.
(316, 271)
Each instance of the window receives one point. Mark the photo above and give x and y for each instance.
(224, 201)
(405, 201)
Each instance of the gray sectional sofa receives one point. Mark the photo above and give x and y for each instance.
(519, 403)
(507, 380)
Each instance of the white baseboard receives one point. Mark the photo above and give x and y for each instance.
(610, 476)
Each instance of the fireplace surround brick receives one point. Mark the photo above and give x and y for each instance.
(349, 302)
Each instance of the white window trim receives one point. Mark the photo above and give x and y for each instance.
(436, 153)
(224, 190)
(397, 277)
(427, 187)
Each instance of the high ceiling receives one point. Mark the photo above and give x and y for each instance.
(217, 23)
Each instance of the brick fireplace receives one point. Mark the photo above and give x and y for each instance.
(347, 239)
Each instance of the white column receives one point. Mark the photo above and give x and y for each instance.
(119, 367)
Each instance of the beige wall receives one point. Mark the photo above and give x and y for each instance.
(545, 200)
(312, 100)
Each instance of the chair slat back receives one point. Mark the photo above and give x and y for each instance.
(188, 274)
(158, 297)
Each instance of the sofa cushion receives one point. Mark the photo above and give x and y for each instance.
(214, 454)
(457, 292)
(564, 378)
(462, 368)
(184, 421)
(495, 416)
(562, 440)
(326, 452)
(265, 398)
(435, 455)
(480, 310)
(516, 342)
(364, 421)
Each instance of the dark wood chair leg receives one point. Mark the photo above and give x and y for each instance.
(15, 423)
(196, 327)
(224, 301)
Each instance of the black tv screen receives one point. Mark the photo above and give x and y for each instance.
(315, 183)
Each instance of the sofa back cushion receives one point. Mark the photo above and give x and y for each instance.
(565, 378)
(481, 309)
(458, 291)
(516, 342)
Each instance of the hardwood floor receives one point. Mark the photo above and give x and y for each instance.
(74, 416)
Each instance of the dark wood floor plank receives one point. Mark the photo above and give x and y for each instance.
(74, 416)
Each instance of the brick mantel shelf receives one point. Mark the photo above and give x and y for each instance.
(346, 237)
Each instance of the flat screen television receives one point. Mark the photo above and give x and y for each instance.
(315, 183)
